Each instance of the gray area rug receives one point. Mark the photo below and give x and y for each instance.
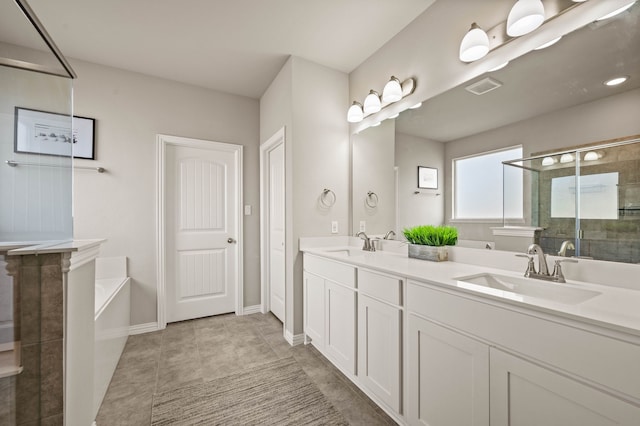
(276, 393)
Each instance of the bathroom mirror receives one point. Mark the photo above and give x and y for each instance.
(542, 88)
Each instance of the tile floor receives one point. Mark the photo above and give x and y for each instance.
(191, 352)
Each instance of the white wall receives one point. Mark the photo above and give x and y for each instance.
(608, 118)
(130, 110)
(307, 99)
(426, 208)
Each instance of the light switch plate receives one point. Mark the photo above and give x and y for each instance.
(334, 227)
(363, 226)
(247, 210)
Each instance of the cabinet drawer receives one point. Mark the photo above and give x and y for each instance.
(383, 287)
(334, 271)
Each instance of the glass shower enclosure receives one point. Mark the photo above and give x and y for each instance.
(588, 196)
(36, 146)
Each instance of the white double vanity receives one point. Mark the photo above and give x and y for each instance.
(434, 345)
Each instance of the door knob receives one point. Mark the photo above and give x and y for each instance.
(231, 240)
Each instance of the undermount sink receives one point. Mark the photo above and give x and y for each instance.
(562, 293)
(346, 252)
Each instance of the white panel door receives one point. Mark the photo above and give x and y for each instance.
(276, 231)
(201, 218)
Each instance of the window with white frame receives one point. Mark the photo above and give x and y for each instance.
(484, 189)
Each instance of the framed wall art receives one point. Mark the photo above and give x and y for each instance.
(48, 133)
(427, 177)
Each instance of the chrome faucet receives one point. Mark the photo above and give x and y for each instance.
(566, 245)
(388, 235)
(367, 246)
(543, 271)
(535, 249)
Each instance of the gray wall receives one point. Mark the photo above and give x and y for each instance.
(130, 109)
(373, 163)
(308, 100)
(425, 208)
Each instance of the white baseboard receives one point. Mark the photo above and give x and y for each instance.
(255, 309)
(293, 340)
(143, 328)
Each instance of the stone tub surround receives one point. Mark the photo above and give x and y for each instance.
(44, 275)
(615, 310)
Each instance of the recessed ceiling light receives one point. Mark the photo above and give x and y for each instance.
(616, 81)
(549, 43)
(499, 67)
(616, 12)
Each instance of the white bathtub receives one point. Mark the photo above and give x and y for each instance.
(112, 321)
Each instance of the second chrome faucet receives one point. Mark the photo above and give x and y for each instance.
(543, 270)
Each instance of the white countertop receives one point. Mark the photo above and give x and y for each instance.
(615, 308)
(14, 249)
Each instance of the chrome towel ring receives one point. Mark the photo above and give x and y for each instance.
(327, 198)
(371, 200)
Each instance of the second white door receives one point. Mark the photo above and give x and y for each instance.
(277, 231)
(201, 205)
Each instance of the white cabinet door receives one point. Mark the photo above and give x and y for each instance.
(379, 346)
(525, 394)
(340, 325)
(314, 309)
(448, 376)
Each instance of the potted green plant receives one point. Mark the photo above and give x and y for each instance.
(430, 242)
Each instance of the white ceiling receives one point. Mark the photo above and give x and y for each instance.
(234, 46)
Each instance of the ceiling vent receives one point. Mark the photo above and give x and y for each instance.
(483, 86)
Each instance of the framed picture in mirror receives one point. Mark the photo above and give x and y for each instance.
(427, 177)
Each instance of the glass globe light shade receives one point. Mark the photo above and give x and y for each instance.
(355, 113)
(372, 103)
(392, 91)
(566, 158)
(474, 45)
(524, 17)
(548, 161)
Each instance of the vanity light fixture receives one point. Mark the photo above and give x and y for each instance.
(376, 124)
(372, 103)
(355, 114)
(567, 158)
(416, 106)
(392, 91)
(616, 81)
(549, 43)
(474, 45)
(396, 115)
(524, 17)
(548, 161)
(499, 67)
(616, 12)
